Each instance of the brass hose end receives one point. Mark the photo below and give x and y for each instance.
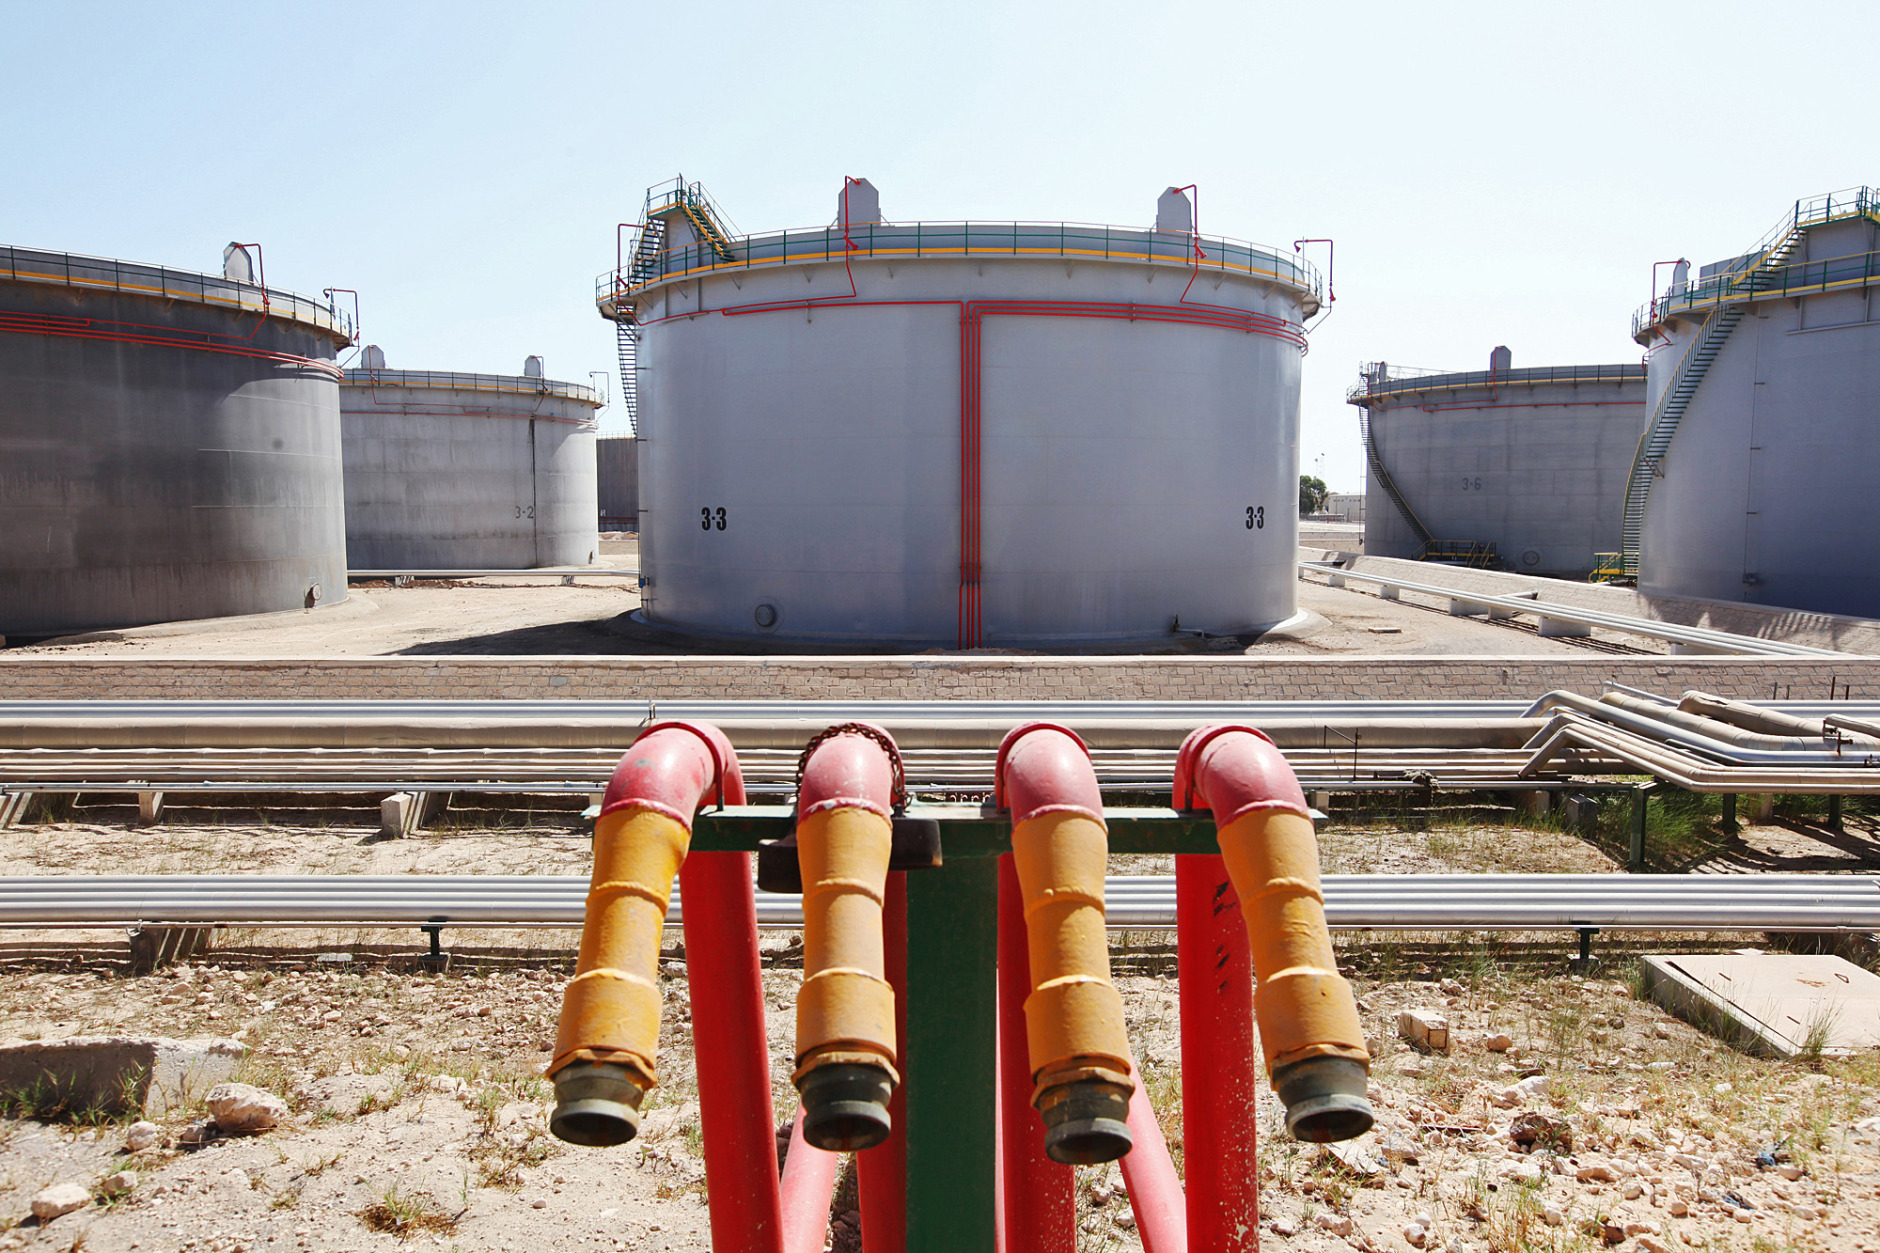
(597, 1104)
(1324, 1099)
(1086, 1121)
(845, 1106)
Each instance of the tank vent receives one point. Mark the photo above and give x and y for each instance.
(1173, 212)
(237, 265)
(373, 358)
(1500, 361)
(532, 368)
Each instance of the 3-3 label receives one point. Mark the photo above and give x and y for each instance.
(710, 519)
(1256, 517)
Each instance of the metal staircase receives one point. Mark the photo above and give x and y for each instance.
(1424, 537)
(629, 337)
(1691, 370)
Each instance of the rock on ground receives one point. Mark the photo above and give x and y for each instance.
(240, 1108)
(59, 1199)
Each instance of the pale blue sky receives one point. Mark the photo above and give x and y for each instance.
(1493, 173)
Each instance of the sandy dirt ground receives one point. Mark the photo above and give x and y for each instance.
(417, 1110)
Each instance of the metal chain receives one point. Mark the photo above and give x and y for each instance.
(898, 789)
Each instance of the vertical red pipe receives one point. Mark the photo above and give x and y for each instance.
(1155, 1194)
(809, 1183)
(1040, 1204)
(882, 1170)
(733, 1052)
(1219, 1074)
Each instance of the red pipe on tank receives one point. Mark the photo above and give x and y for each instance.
(1038, 1195)
(1155, 1192)
(1219, 1146)
(809, 1183)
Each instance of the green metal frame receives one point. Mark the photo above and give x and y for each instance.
(950, 1060)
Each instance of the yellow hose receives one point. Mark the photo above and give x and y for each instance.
(845, 1010)
(1074, 1015)
(1304, 1006)
(610, 1011)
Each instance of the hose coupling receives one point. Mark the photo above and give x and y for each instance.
(597, 1104)
(1324, 1099)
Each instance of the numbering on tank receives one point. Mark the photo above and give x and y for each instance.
(1471, 484)
(709, 518)
(1256, 517)
(525, 511)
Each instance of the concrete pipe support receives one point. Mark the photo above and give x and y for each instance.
(1309, 1028)
(845, 1044)
(609, 1035)
(1078, 1050)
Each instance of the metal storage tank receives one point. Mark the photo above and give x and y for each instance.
(962, 434)
(618, 459)
(1760, 458)
(1517, 469)
(169, 444)
(448, 471)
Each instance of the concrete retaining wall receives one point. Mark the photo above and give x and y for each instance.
(925, 678)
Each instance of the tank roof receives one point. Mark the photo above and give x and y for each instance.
(708, 242)
(1382, 383)
(75, 270)
(1768, 269)
(496, 384)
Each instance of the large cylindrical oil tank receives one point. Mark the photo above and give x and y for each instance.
(1761, 461)
(1517, 469)
(169, 445)
(963, 434)
(449, 471)
(618, 462)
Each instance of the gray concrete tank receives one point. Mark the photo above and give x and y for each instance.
(618, 463)
(1529, 461)
(169, 445)
(1761, 460)
(448, 471)
(963, 434)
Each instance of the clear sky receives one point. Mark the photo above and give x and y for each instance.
(1493, 173)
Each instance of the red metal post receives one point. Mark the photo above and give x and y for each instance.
(733, 1053)
(1039, 1206)
(1219, 1074)
(809, 1182)
(882, 1170)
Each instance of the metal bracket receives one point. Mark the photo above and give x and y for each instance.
(916, 846)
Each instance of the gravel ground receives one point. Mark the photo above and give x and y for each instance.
(417, 1104)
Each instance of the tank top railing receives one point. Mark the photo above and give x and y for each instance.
(1764, 270)
(1410, 382)
(67, 269)
(513, 384)
(944, 239)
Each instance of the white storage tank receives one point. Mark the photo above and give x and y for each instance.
(1760, 458)
(1518, 469)
(618, 462)
(962, 434)
(169, 444)
(449, 471)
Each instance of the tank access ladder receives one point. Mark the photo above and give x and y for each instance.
(1692, 368)
(1424, 537)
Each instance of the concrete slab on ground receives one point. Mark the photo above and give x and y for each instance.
(116, 1074)
(1783, 1004)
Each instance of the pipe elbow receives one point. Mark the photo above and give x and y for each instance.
(1234, 770)
(1043, 767)
(849, 770)
(673, 768)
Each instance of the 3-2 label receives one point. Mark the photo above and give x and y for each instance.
(1256, 517)
(710, 519)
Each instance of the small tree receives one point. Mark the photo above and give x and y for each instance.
(1312, 494)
